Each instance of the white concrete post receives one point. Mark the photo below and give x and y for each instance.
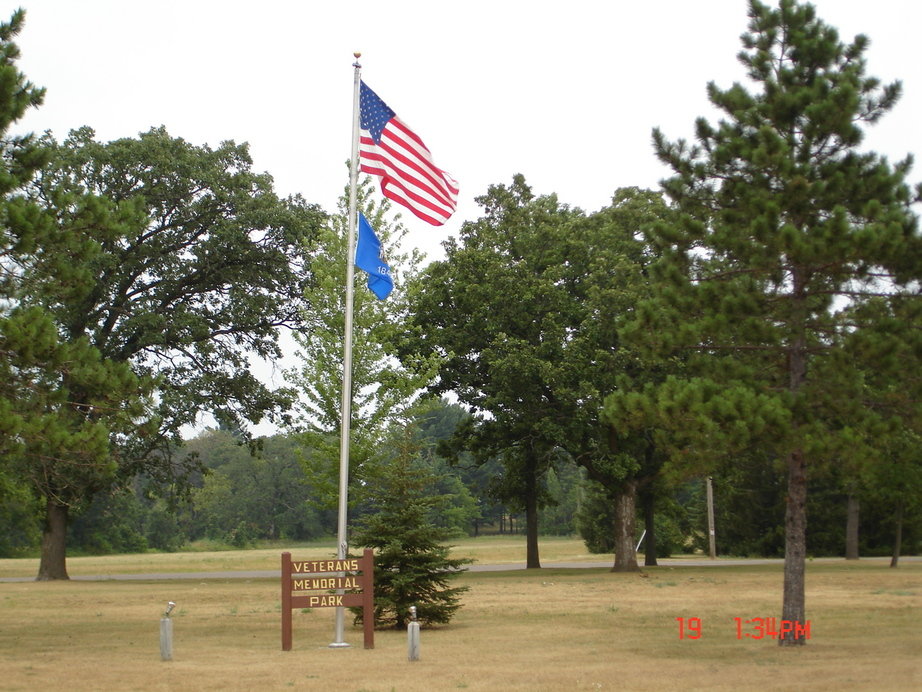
(413, 636)
(166, 634)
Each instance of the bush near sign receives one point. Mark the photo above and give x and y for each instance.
(355, 575)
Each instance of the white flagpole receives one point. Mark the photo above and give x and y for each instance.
(351, 222)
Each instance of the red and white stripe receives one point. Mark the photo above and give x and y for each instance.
(408, 175)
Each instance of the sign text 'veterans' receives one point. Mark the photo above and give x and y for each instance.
(342, 583)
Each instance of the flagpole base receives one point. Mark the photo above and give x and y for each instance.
(340, 645)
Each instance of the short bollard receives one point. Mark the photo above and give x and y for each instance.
(413, 636)
(166, 634)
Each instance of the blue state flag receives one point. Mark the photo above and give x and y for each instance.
(368, 258)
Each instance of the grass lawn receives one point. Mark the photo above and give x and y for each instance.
(493, 550)
(549, 629)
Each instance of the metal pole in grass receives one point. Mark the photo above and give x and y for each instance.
(166, 633)
(346, 408)
(642, 536)
(413, 636)
(712, 543)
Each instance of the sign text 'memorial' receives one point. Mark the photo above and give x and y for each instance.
(344, 583)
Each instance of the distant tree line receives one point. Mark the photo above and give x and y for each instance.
(244, 497)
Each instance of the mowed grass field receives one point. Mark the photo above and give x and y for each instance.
(493, 550)
(549, 629)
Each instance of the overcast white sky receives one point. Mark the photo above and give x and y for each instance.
(566, 93)
(563, 92)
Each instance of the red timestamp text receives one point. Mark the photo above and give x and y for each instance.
(750, 628)
(761, 628)
(689, 628)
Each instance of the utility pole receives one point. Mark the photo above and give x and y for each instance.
(712, 539)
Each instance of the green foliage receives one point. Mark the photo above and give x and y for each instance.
(21, 158)
(68, 402)
(783, 323)
(513, 250)
(456, 477)
(61, 399)
(564, 484)
(535, 370)
(383, 388)
(780, 216)
(412, 566)
(162, 269)
(786, 233)
(501, 356)
(249, 495)
(185, 263)
(112, 523)
(19, 519)
(749, 503)
(437, 422)
(162, 528)
(596, 517)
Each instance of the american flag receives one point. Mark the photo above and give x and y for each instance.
(390, 149)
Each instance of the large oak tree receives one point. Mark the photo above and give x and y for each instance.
(176, 260)
(524, 312)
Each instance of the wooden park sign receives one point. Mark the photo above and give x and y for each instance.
(321, 583)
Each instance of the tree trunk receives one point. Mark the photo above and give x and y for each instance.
(649, 501)
(851, 529)
(625, 511)
(793, 607)
(795, 548)
(54, 543)
(531, 521)
(898, 537)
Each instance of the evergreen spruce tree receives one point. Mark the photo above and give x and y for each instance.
(412, 565)
(786, 228)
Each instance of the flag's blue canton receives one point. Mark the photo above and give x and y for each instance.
(374, 113)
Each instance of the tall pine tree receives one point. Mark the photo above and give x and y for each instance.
(60, 400)
(786, 227)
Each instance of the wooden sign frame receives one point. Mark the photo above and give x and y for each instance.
(323, 583)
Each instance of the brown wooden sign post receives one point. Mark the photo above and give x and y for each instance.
(322, 583)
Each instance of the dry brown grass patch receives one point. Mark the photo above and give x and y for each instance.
(584, 629)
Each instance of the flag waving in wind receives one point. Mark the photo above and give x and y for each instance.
(368, 258)
(389, 149)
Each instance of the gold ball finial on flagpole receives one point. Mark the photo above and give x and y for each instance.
(357, 55)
